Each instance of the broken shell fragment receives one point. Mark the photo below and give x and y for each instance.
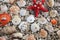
(50, 3)
(8, 30)
(23, 26)
(30, 37)
(14, 9)
(30, 19)
(21, 3)
(35, 27)
(49, 27)
(16, 20)
(42, 20)
(43, 33)
(53, 13)
(4, 8)
(19, 35)
(58, 33)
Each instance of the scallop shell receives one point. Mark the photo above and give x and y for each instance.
(18, 34)
(43, 33)
(50, 3)
(8, 30)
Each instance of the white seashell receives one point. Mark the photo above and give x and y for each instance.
(23, 26)
(23, 12)
(35, 27)
(50, 3)
(16, 20)
(21, 3)
(42, 20)
(49, 28)
(19, 35)
(30, 19)
(43, 33)
(53, 13)
(4, 8)
(15, 39)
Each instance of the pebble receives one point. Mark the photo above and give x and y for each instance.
(43, 33)
(16, 20)
(35, 27)
(21, 3)
(30, 19)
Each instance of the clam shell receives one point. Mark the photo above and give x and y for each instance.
(8, 30)
(18, 34)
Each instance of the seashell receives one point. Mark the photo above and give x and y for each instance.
(30, 37)
(8, 30)
(16, 20)
(4, 19)
(14, 9)
(35, 27)
(45, 14)
(54, 21)
(42, 20)
(30, 19)
(9, 1)
(15, 39)
(23, 26)
(21, 3)
(58, 33)
(2, 38)
(53, 13)
(23, 12)
(49, 27)
(43, 33)
(4, 8)
(19, 35)
(50, 3)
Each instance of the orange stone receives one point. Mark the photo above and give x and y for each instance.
(4, 19)
(54, 21)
